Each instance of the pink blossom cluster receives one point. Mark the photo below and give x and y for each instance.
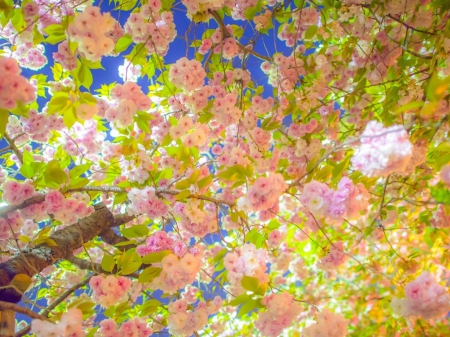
(425, 298)
(419, 156)
(383, 150)
(194, 6)
(299, 130)
(346, 202)
(109, 290)
(176, 273)
(137, 167)
(264, 193)
(10, 225)
(445, 174)
(225, 110)
(284, 72)
(70, 324)
(302, 21)
(228, 48)
(130, 99)
(188, 75)
(441, 218)
(334, 258)
(263, 21)
(183, 322)
(83, 139)
(156, 31)
(239, 7)
(30, 57)
(14, 193)
(137, 327)
(194, 101)
(64, 56)
(92, 30)
(38, 126)
(247, 260)
(262, 105)
(195, 221)
(145, 201)
(230, 77)
(205, 46)
(309, 151)
(198, 137)
(280, 311)
(13, 87)
(328, 324)
(68, 211)
(160, 241)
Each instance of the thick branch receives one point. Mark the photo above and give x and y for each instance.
(35, 259)
(21, 310)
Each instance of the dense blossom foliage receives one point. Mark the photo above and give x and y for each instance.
(225, 168)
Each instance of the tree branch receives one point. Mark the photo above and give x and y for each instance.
(52, 306)
(21, 310)
(34, 259)
(14, 147)
(30, 201)
(409, 26)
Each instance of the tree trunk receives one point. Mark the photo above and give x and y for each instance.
(36, 258)
(7, 323)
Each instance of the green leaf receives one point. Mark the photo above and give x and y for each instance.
(130, 268)
(78, 182)
(183, 195)
(441, 195)
(149, 307)
(273, 224)
(155, 257)
(250, 283)
(249, 306)
(54, 175)
(4, 115)
(108, 263)
(183, 184)
(85, 76)
(205, 181)
(69, 117)
(123, 43)
(58, 103)
(56, 33)
(27, 171)
(239, 300)
(120, 198)
(79, 170)
(310, 32)
(136, 231)
(205, 117)
(148, 274)
(340, 168)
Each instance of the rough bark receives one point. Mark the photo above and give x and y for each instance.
(35, 259)
(7, 323)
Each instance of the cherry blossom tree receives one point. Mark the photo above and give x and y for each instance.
(256, 168)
